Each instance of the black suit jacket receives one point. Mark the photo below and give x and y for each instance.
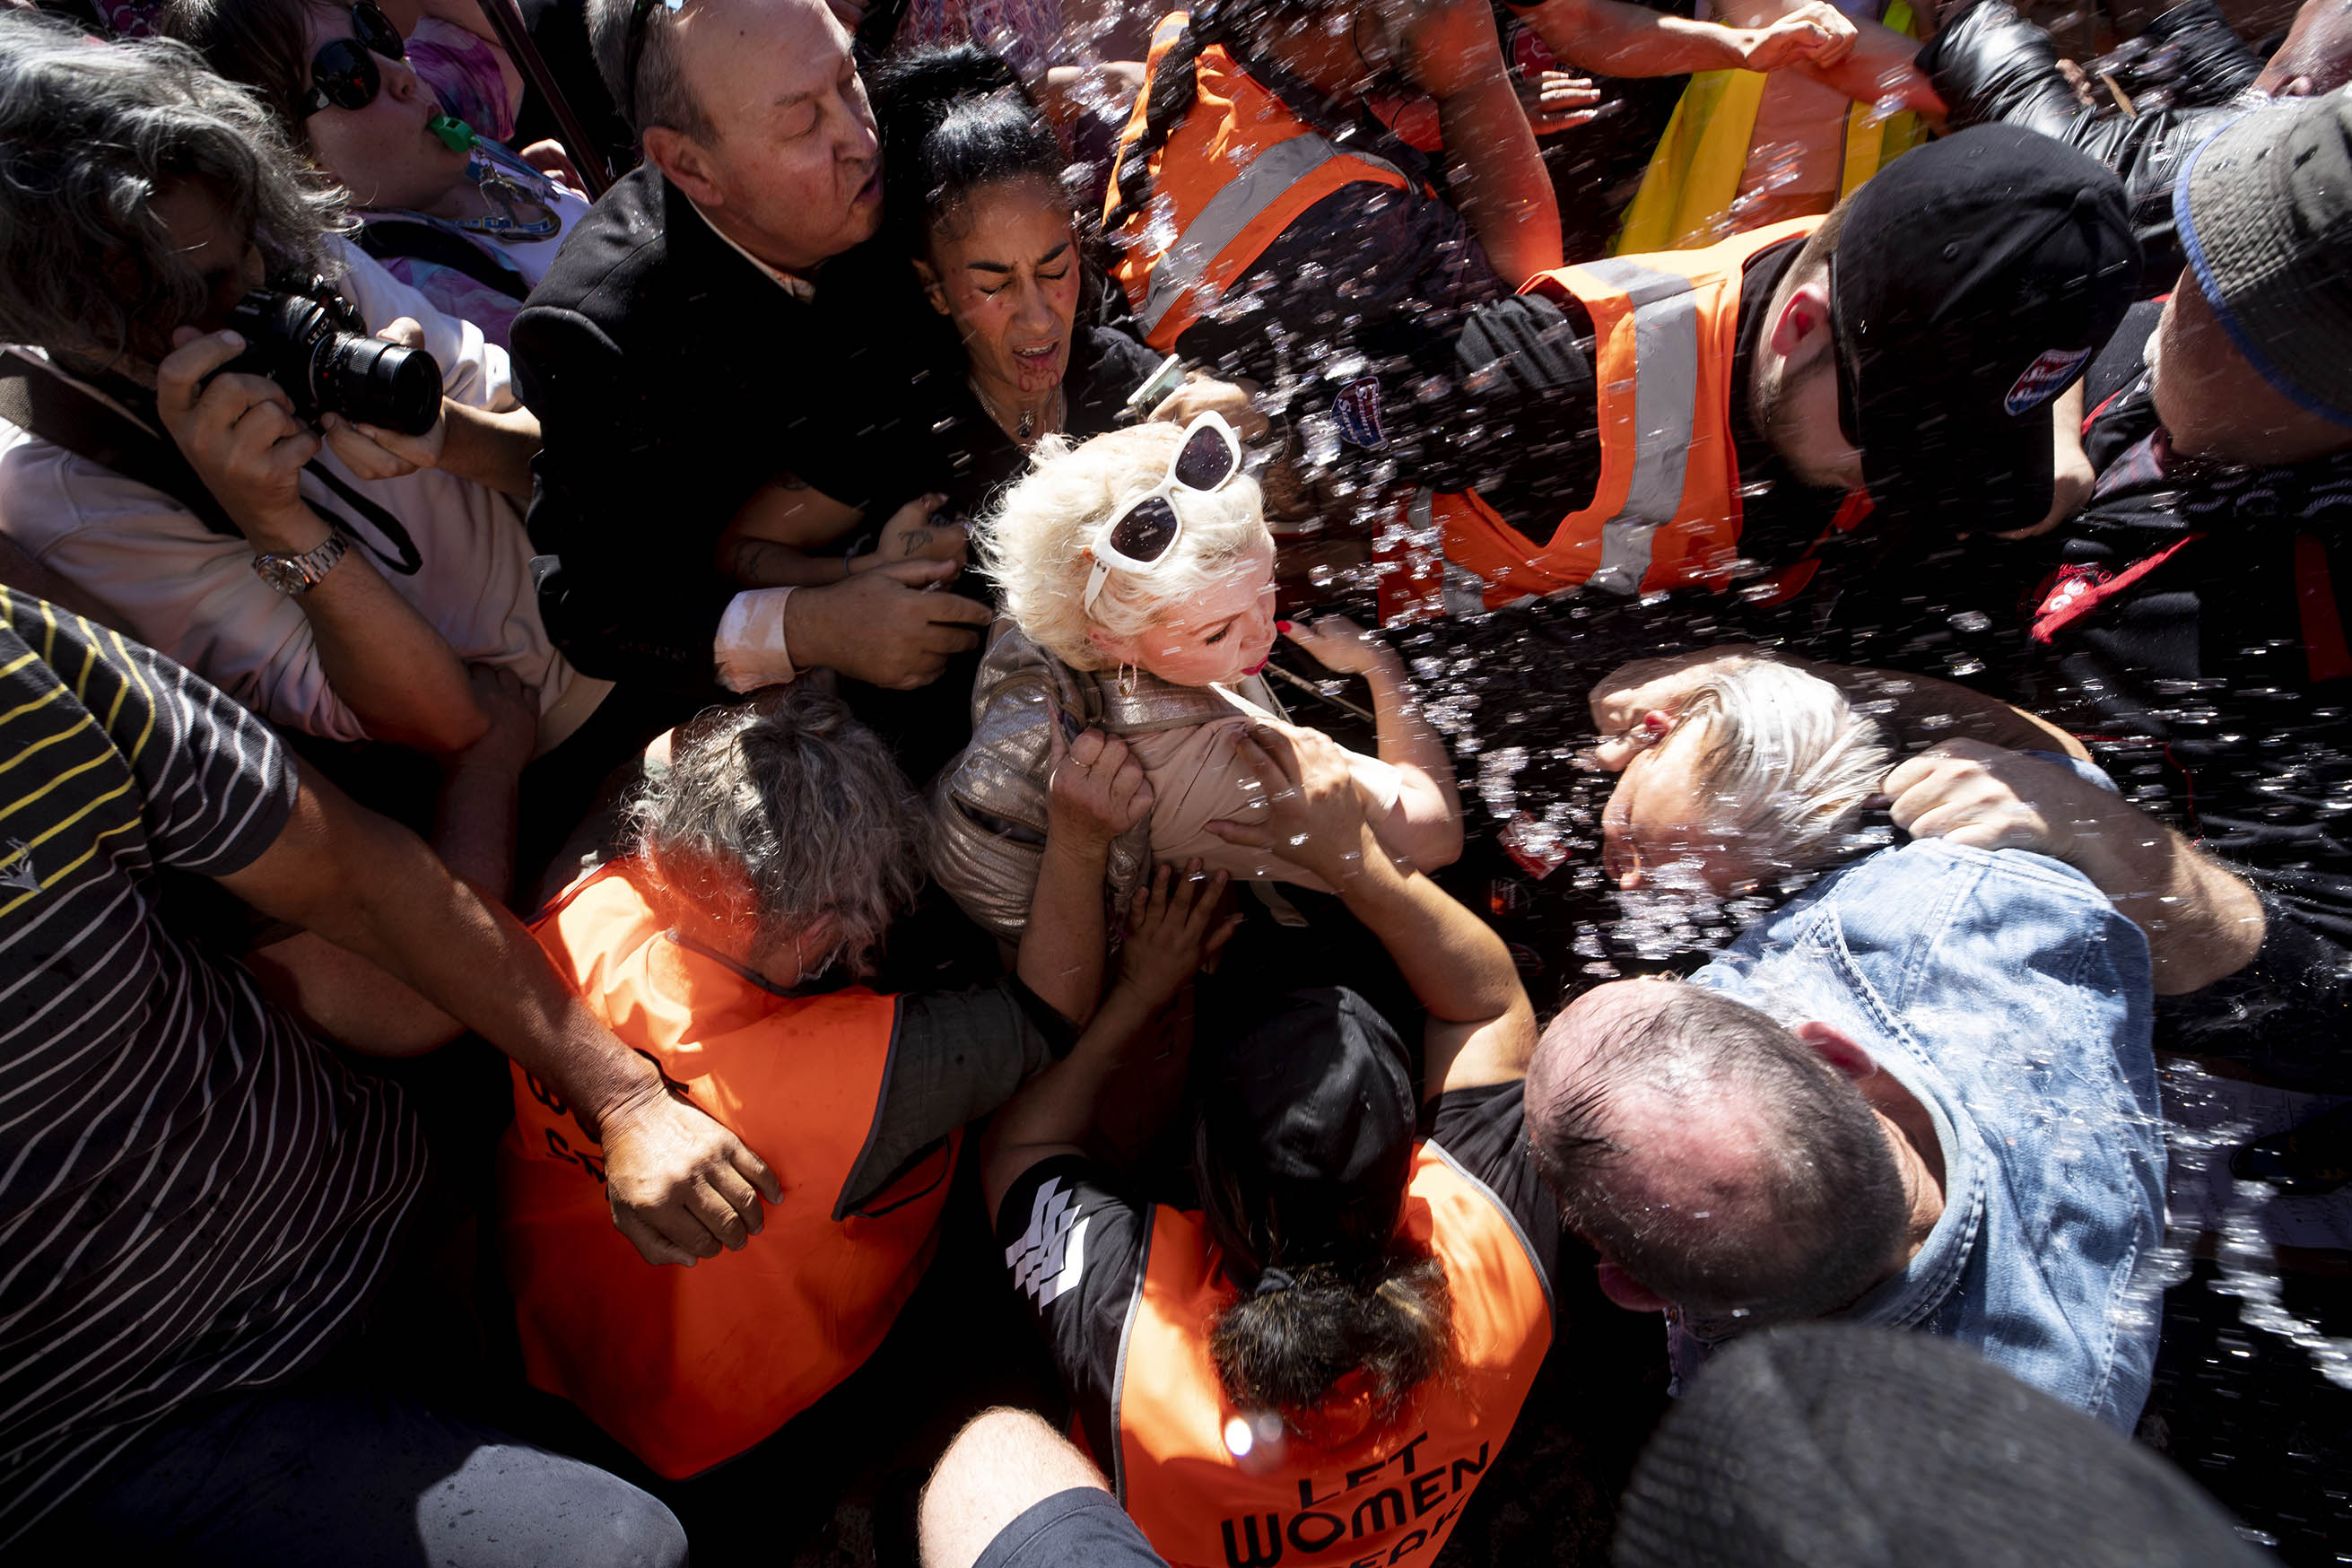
(673, 378)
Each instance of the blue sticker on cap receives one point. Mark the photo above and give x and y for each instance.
(2043, 378)
(1356, 411)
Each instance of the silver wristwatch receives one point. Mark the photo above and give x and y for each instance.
(295, 575)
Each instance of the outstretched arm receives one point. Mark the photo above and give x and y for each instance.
(2202, 921)
(1174, 929)
(1481, 1028)
(1425, 823)
(1620, 39)
(681, 1185)
(1453, 54)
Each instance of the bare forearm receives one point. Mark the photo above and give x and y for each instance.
(1426, 823)
(765, 564)
(398, 906)
(493, 450)
(474, 828)
(1458, 969)
(1505, 193)
(392, 669)
(1063, 948)
(2202, 921)
(1619, 39)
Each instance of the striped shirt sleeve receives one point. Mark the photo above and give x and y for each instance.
(219, 784)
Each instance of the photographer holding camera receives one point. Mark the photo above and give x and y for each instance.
(214, 452)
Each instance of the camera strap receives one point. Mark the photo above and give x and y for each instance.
(36, 396)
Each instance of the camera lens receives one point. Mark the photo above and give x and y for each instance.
(371, 381)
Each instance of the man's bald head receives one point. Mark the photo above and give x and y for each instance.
(1711, 1154)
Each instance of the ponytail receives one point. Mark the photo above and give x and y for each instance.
(951, 121)
(1285, 1347)
(1175, 88)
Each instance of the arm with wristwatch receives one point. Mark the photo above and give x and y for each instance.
(240, 435)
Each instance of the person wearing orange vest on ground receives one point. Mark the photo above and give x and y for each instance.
(774, 848)
(1316, 1366)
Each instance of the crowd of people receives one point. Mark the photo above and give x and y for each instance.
(1105, 751)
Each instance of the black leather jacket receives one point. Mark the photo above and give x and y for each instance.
(2184, 76)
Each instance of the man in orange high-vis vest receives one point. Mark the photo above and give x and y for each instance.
(1270, 226)
(1318, 1366)
(781, 835)
(1907, 347)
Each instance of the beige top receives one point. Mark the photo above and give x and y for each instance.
(1198, 777)
(989, 806)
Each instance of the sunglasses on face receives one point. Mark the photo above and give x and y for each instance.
(343, 73)
(1136, 539)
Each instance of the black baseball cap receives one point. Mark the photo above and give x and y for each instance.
(1305, 1132)
(1973, 280)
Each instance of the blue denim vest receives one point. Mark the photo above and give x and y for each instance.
(2005, 993)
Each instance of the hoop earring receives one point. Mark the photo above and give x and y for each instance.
(1127, 677)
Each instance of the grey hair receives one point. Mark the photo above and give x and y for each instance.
(801, 802)
(1785, 763)
(1035, 542)
(663, 95)
(90, 134)
(1820, 1210)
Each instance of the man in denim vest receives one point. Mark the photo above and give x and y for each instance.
(1920, 1095)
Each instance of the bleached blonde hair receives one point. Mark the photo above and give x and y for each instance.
(1034, 542)
(1785, 763)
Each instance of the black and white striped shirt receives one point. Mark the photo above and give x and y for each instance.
(195, 1196)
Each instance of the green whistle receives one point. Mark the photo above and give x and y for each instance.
(456, 134)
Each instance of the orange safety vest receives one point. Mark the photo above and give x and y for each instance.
(1666, 513)
(689, 1367)
(1236, 173)
(1390, 1496)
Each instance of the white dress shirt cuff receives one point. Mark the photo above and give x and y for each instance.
(749, 650)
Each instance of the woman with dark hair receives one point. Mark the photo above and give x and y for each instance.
(1315, 1365)
(973, 191)
(464, 221)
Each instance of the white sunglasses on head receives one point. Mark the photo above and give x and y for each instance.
(1147, 528)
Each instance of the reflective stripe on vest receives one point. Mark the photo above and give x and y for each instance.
(1666, 512)
(1690, 189)
(1390, 1495)
(690, 1367)
(1665, 393)
(1233, 176)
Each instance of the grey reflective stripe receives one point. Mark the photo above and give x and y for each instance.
(1666, 390)
(1466, 592)
(1237, 204)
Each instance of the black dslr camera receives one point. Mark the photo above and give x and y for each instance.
(313, 343)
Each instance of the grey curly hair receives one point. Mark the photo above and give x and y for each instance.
(804, 804)
(90, 134)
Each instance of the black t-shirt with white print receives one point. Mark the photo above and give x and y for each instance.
(1075, 1234)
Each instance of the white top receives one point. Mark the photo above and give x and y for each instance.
(165, 578)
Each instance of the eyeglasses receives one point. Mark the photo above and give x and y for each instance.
(1207, 458)
(639, 12)
(343, 74)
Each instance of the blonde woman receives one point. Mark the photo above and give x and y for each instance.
(1137, 576)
